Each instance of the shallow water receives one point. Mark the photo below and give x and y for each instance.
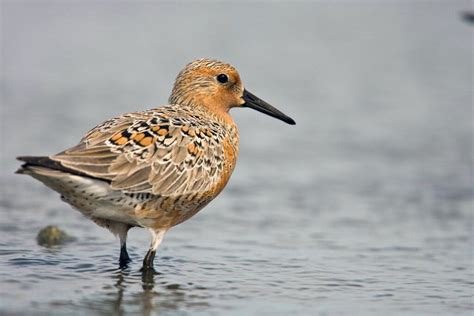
(364, 207)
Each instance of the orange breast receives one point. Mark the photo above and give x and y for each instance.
(230, 158)
(166, 212)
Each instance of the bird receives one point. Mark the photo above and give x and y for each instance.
(155, 168)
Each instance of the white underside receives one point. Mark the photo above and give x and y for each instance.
(92, 197)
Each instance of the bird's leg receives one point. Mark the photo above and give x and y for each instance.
(156, 238)
(148, 260)
(124, 258)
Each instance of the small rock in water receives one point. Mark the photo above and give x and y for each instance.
(52, 236)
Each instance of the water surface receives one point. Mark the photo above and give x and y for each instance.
(364, 207)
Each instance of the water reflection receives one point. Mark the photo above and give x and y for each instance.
(148, 283)
(124, 281)
(119, 285)
(144, 293)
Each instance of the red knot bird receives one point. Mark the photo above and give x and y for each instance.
(155, 168)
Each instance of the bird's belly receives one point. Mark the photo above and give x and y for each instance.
(97, 201)
(114, 213)
(165, 212)
(111, 207)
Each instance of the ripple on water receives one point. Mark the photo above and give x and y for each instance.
(82, 267)
(8, 252)
(33, 262)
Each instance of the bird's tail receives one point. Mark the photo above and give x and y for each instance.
(32, 162)
(44, 169)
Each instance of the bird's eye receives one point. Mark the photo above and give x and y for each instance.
(222, 78)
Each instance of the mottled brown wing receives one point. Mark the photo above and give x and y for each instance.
(164, 151)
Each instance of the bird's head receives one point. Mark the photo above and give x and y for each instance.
(217, 86)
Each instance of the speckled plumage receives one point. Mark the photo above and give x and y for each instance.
(174, 155)
(154, 168)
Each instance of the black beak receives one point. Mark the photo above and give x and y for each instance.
(253, 102)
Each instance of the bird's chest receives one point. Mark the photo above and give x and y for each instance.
(230, 152)
(174, 209)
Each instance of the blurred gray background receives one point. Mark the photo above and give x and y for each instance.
(365, 206)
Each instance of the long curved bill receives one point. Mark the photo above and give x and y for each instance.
(254, 102)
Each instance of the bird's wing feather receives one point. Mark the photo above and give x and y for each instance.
(165, 151)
